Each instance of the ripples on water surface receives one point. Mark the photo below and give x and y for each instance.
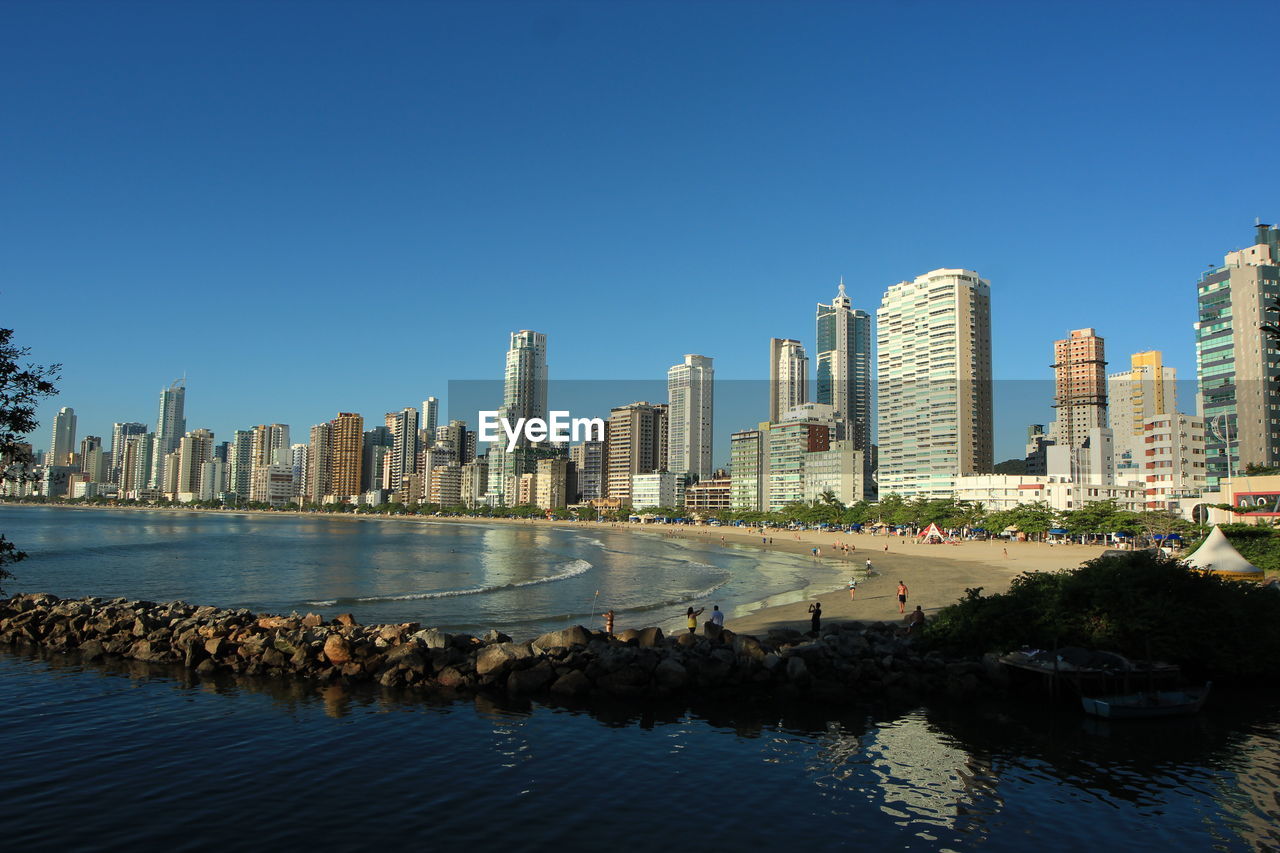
(125, 755)
(522, 578)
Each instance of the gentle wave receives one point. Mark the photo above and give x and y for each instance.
(575, 568)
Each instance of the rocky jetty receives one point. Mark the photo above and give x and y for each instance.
(847, 663)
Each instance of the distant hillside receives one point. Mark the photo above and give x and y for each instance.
(1012, 466)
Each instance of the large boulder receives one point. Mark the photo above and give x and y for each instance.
(573, 683)
(746, 646)
(337, 650)
(531, 680)
(567, 637)
(670, 674)
(650, 638)
(432, 638)
(492, 659)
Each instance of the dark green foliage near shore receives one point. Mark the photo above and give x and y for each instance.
(1138, 604)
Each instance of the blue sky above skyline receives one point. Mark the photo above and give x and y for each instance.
(309, 208)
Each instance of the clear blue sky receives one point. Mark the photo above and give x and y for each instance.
(319, 207)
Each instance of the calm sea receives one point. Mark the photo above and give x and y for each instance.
(124, 755)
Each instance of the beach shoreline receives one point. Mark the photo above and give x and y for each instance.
(935, 575)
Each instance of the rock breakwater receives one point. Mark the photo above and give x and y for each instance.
(847, 663)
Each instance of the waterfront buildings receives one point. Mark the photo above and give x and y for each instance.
(657, 489)
(524, 395)
(1172, 460)
(589, 460)
(637, 444)
(789, 443)
(240, 464)
(347, 455)
(934, 383)
(62, 445)
(171, 425)
(319, 463)
(430, 414)
(844, 372)
(788, 375)
(1134, 396)
(93, 461)
(554, 482)
(475, 482)
(403, 429)
(748, 463)
(1080, 387)
(998, 492)
(194, 449)
(708, 496)
(120, 433)
(689, 416)
(1237, 363)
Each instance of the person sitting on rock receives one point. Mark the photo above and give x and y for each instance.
(915, 619)
(717, 616)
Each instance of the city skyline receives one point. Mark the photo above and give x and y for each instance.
(534, 188)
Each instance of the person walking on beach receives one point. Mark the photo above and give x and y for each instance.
(902, 597)
(815, 621)
(608, 622)
(691, 619)
(869, 569)
(853, 588)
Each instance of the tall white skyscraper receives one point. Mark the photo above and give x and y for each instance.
(689, 393)
(934, 365)
(524, 395)
(844, 375)
(63, 443)
(240, 464)
(121, 433)
(171, 424)
(404, 444)
(788, 376)
(430, 415)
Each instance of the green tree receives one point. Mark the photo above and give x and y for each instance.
(22, 386)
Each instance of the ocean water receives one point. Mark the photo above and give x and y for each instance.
(524, 579)
(121, 755)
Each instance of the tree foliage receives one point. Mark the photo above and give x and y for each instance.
(1139, 604)
(22, 386)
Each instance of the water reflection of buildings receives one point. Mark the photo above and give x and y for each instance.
(923, 778)
(1251, 793)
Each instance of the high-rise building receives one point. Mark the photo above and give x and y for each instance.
(690, 389)
(240, 464)
(405, 449)
(171, 425)
(92, 459)
(748, 469)
(788, 376)
(934, 365)
(1080, 387)
(120, 433)
(475, 481)
(1237, 363)
(271, 445)
(589, 460)
(135, 464)
(298, 454)
(461, 439)
(320, 463)
(524, 395)
(63, 443)
(637, 444)
(430, 414)
(1173, 459)
(194, 449)
(348, 445)
(552, 484)
(446, 485)
(1134, 396)
(844, 373)
(377, 442)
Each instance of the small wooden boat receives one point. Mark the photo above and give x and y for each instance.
(1148, 703)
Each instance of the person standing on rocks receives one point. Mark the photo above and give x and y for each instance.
(815, 620)
(608, 622)
(691, 619)
(902, 597)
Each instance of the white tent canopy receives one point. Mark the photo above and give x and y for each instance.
(1219, 556)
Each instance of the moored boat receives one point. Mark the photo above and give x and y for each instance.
(1147, 703)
